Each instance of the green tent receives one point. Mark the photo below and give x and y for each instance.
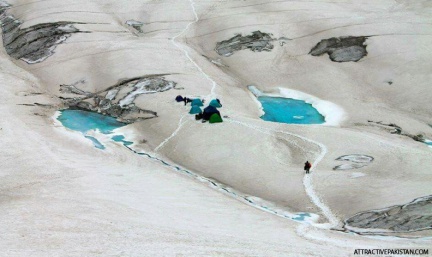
(215, 118)
(195, 110)
(197, 102)
(215, 103)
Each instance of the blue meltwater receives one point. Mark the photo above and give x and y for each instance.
(287, 110)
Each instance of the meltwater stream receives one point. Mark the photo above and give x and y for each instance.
(84, 122)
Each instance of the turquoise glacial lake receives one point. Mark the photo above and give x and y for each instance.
(291, 111)
(84, 122)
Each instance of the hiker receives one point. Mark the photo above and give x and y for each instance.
(179, 98)
(187, 100)
(307, 167)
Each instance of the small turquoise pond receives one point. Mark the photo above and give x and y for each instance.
(121, 139)
(287, 110)
(84, 121)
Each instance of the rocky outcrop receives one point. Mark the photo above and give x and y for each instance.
(33, 44)
(414, 216)
(257, 42)
(136, 25)
(341, 49)
(109, 102)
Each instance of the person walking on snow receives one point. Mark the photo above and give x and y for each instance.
(187, 100)
(307, 167)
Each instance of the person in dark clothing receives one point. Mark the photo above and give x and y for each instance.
(187, 100)
(179, 98)
(307, 167)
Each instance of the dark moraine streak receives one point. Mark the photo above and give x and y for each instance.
(414, 216)
(257, 42)
(33, 44)
(341, 49)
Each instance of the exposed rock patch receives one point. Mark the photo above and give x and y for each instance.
(341, 49)
(136, 25)
(118, 101)
(33, 44)
(257, 42)
(414, 216)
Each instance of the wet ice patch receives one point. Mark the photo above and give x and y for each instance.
(349, 166)
(357, 161)
(301, 216)
(96, 142)
(358, 158)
